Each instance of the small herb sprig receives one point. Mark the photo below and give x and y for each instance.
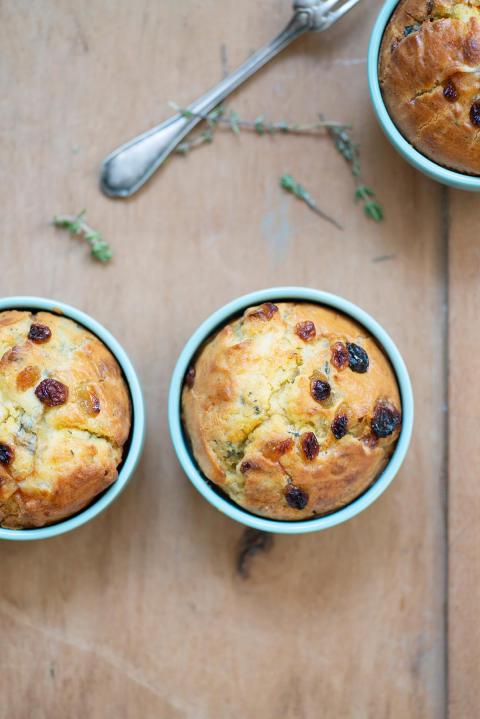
(290, 185)
(349, 151)
(231, 121)
(338, 132)
(76, 225)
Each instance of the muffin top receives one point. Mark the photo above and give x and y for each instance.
(292, 409)
(64, 418)
(428, 72)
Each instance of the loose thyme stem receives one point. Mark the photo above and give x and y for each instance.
(291, 185)
(349, 151)
(260, 126)
(76, 225)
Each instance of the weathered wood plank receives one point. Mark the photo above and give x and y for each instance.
(142, 613)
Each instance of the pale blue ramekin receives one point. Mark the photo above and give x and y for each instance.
(420, 162)
(137, 433)
(180, 442)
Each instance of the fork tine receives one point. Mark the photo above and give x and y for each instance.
(334, 15)
(327, 5)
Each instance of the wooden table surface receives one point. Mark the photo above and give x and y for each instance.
(143, 613)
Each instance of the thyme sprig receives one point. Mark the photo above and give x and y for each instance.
(338, 132)
(291, 185)
(350, 152)
(76, 225)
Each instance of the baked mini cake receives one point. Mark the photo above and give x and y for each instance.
(293, 410)
(64, 418)
(429, 76)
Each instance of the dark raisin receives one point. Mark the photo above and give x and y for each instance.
(408, 29)
(475, 113)
(6, 454)
(305, 330)
(310, 445)
(247, 465)
(320, 390)
(264, 312)
(296, 497)
(340, 356)
(276, 448)
(339, 426)
(357, 358)
(429, 7)
(450, 92)
(386, 419)
(39, 333)
(190, 377)
(52, 392)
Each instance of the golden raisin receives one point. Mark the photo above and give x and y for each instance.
(276, 448)
(265, 312)
(27, 378)
(305, 330)
(340, 356)
(88, 401)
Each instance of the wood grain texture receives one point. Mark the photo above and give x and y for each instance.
(143, 612)
(464, 459)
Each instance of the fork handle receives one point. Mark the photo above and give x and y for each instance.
(128, 167)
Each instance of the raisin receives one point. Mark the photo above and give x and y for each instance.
(305, 330)
(429, 7)
(310, 445)
(6, 454)
(296, 498)
(39, 333)
(27, 378)
(190, 377)
(320, 390)
(88, 400)
(386, 419)
(264, 312)
(340, 356)
(339, 426)
(475, 113)
(247, 465)
(357, 358)
(276, 448)
(450, 92)
(52, 392)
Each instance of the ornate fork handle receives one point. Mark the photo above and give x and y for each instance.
(128, 167)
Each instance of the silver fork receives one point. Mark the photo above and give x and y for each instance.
(128, 167)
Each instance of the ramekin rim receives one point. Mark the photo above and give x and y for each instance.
(217, 319)
(137, 435)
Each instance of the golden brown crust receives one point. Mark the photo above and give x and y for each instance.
(250, 414)
(63, 455)
(428, 71)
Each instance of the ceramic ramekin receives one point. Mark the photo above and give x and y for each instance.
(415, 158)
(180, 442)
(137, 433)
